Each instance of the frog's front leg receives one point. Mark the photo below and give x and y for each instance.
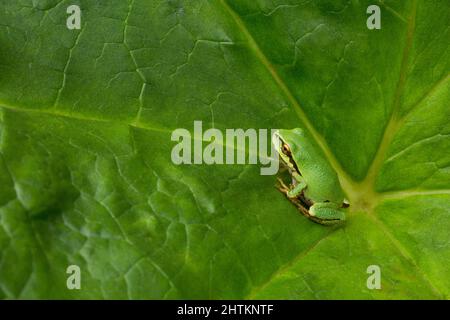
(296, 190)
(299, 186)
(326, 213)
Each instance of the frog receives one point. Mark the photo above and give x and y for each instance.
(315, 187)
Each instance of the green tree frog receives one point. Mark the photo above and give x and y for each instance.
(315, 187)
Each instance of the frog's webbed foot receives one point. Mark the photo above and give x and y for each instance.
(345, 204)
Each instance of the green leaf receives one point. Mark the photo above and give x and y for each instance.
(85, 141)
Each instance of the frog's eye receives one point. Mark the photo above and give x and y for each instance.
(286, 149)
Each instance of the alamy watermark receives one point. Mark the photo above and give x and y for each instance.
(234, 146)
(73, 21)
(374, 20)
(374, 280)
(74, 279)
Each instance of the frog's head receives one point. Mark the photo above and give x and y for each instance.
(286, 147)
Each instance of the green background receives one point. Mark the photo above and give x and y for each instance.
(86, 176)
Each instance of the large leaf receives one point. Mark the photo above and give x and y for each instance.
(86, 174)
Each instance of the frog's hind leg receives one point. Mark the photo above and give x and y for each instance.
(327, 213)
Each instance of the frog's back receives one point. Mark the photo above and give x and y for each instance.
(321, 179)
